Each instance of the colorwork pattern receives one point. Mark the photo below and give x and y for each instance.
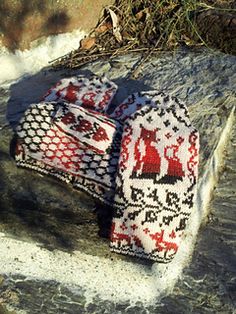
(94, 93)
(71, 143)
(156, 182)
(142, 159)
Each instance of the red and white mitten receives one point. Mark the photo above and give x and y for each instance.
(136, 101)
(156, 180)
(30, 146)
(71, 143)
(100, 136)
(94, 93)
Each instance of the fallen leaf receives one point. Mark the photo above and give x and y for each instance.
(139, 15)
(115, 24)
(87, 43)
(103, 28)
(143, 14)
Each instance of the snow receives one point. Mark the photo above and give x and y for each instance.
(21, 63)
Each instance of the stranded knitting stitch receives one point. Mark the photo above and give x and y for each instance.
(156, 182)
(155, 99)
(94, 93)
(71, 143)
(142, 159)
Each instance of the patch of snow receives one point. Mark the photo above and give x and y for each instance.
(20, 63)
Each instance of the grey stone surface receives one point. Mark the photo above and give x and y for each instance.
(52, 213)
(208, 285)
(189, 75)
(39, 209)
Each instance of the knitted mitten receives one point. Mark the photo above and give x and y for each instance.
(156, 181)
(97, 173)
(136, 101)
(71, 143)
(30, 132)
(95, 93)
(101, 138)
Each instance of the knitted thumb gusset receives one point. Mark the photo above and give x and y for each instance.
(156, 181)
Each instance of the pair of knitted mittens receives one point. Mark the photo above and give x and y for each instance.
(71, 138)
(156, 178)
(142, 159)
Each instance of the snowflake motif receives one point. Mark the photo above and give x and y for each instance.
(168, 135)
(146, 230)
(123, 226)
(172, 234)
(133, 227)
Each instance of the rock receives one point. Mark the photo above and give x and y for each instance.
(43, 212)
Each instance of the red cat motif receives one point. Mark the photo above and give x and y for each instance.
(147, 156)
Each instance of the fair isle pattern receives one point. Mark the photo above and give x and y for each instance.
(48, 143)
(97, 173)
(142, 159)
(35, 123)
(94, 93)
(156, 182)
(155, 99)
(89, 127)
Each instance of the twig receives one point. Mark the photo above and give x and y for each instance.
(4, 126)
(77, 62)
(135, 73)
